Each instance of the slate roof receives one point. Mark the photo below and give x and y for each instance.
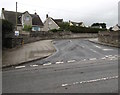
(79, 23)
(57, 21)
(11, 16)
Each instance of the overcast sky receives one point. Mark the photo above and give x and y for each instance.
(87, 11)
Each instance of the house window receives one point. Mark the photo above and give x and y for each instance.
(27, 18)
(50, 23)
(36, 28)
(39, 29)
(77, 24)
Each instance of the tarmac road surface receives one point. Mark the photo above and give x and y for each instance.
(78, 66)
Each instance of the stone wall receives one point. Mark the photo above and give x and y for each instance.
(12, 42)
(111, 38)
(36, 36)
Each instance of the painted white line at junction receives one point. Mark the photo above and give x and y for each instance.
(18, 67)
(103, 58)
(34, 65)
(64, 85)
(97, 46)
(71, 61)
(107, 49)
(59, 62)
(93, 59)
(93, 50)
(90, 81)
(46, 64)
(84, 59)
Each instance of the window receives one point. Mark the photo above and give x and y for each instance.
(50, 23)
(27, 18)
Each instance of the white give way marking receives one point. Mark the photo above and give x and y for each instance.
(18, 67)
(90, 81)
(107, 49)
(97, 46)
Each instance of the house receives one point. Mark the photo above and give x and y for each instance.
(99, 25)
(81, 24)
(115, 28)
(23, 19)
(51, 23)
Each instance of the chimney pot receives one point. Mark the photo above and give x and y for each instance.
(46, 15)
(3, 9)
(35, 13)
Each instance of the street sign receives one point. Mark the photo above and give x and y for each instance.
(16, 33)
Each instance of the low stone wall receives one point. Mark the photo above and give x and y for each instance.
(36, 36)
(111, 38)
(13, 42)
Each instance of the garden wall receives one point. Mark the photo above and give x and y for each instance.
(110, 37)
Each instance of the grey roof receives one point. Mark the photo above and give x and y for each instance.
(79, 23)
(57, 21)
(11, 16)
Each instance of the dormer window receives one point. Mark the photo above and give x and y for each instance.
(27, 18)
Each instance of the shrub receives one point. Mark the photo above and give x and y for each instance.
(7, 29)
(27, 28)
(7, 26)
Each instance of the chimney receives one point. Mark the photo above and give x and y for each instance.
(46, 15)
(35, 13)
(3, 9)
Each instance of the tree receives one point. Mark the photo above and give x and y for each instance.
(103, 25)
(7, 26)
(64, 26)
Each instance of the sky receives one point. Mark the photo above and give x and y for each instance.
(87, 11)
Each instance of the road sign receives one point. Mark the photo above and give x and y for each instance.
(16, 33)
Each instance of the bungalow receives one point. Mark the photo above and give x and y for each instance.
(115, 28)
(23, 19)
(51, 23)
(81, 24)
(98, 25)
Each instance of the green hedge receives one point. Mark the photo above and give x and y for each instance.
(76, 29)
(27, 28)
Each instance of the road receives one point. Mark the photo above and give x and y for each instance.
(78, 66)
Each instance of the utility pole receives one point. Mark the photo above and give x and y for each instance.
(16, 15)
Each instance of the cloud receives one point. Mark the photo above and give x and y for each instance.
(88, 11)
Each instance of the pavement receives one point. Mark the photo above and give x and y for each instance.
(28, 52)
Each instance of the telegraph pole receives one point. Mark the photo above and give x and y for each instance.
(16, 15)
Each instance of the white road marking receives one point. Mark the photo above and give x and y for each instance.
(107, 49)
(83, 46)
(64, 85)
(71, 61)
(97, 46)
(90, 81)
(84, 59)
(103, 58)
(46, 64)
(18, 67)
(59, 62)
(110, 55)
(93, 50)
(106, 56)
(93, 59)
(33, 65)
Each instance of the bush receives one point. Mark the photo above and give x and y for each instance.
(56, 30)
(7, 29)
(27, 28)
(77, 29)
(7, 26)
